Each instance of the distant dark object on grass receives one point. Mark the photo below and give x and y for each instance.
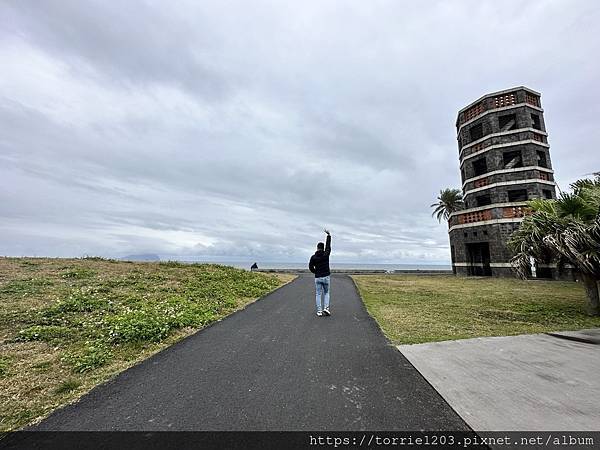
(142, 257)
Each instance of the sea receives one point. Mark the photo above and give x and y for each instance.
(245, 264)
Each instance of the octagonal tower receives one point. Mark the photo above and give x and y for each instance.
(504, 161)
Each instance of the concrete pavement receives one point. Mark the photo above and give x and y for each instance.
(520, 383)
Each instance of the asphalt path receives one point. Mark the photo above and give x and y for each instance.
(273, 366)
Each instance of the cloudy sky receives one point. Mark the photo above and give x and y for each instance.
(241, 129)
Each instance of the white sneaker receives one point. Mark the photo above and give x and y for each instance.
(326, 312)
(319, 313)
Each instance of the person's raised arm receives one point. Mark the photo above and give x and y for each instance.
(328, 242)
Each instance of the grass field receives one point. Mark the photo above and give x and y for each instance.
(415, 309)
(67, 325)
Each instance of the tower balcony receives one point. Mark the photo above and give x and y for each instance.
(498, 100)
(508, 177)
(504, 139)
(489, 214)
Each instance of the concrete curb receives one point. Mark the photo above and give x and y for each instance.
(577, 336)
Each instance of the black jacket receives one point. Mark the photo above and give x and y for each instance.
(319, 262)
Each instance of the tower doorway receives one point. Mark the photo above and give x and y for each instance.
(478, 257)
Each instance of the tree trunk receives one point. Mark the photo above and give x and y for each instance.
(593, 296)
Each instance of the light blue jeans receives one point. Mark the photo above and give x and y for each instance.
(322, 287)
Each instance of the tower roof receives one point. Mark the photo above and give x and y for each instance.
(493, 94)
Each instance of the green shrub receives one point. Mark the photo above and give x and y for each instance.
(42, 366)
(45, 333)
(27, 286)
(173, 264)
(137, 326)
(255, 285)
(4, 365)
(67, 386)
(78, 273)
(80, 301)
(28, 264)
(91, 357)
(99, 258)
(180, 312)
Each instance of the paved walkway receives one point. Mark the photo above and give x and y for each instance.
(529, 382)
(272, 366)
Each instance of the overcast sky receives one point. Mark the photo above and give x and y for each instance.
(241, 129)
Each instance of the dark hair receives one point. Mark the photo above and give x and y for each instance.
(320, 246)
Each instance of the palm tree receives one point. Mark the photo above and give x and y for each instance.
(449, 201)
(566, 230)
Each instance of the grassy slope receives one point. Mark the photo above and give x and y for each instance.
(415, 309)
(67, 325)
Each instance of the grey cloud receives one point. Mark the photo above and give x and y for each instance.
(221, 129)
(131, 43)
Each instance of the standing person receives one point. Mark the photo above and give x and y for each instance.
(319, 265)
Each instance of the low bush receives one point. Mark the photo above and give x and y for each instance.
(137, 326)
(80, 300)
(45, 333)
(91, 357)
(4, 366)
(67, 386)
(78, 273)
(25, 287)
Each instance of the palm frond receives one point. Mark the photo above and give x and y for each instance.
(449, 201)
(565, 231)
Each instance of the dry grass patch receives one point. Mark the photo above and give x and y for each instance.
(67, 325)
(417, 308)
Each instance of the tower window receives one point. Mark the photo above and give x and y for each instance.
(507, 122)
(483, 200)
(519, 195)
(535, 122)
(512, 159)
(476, 132)
(480, 166)
(547, 194)
(541, 159)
